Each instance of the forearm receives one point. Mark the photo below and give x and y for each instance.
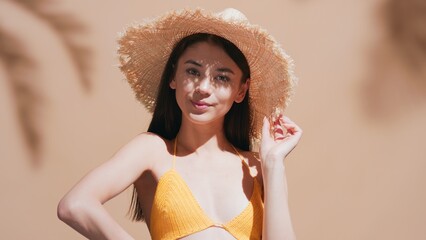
(276, 220)
(91, 220)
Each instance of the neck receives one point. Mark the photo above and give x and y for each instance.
(202, 138)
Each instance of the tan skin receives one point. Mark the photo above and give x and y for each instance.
(207, 83)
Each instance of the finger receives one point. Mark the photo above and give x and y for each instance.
(279, 131)
(265, 128)
(289, 124)
(293, 134)
(266, 134)
(291, 127)
(287, 119)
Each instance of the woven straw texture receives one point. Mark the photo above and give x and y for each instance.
(144, 50)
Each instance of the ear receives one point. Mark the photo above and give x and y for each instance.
(172, 84)
(242, 91)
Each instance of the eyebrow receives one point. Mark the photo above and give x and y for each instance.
(228, 70)
(193, 62)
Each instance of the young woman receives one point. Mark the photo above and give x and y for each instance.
(193, 172)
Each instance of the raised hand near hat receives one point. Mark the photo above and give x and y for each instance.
(280, 136)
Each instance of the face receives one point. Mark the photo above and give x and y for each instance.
(207, 82)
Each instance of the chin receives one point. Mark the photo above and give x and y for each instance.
(200, 118)
(204, 118)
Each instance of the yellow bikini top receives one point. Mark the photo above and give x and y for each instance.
(176, 213)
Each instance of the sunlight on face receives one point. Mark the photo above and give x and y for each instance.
(207, 83)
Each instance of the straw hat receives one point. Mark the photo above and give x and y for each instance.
(145, 48)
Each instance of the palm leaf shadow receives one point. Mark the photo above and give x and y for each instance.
(21, 68)
(397, 78)
(407, 29)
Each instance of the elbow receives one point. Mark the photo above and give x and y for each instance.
(69, 210)
(63, 210)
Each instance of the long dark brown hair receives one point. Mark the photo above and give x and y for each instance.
(167, 116)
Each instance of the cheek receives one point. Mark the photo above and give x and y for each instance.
(225, 95)
(186, 85)
(183, 90)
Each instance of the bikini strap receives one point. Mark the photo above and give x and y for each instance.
(174, 153)
(241, 157)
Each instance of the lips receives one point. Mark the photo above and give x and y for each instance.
(200, 105)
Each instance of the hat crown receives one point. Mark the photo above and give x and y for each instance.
(232, 15)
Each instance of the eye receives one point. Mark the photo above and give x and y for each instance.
(223, 78)
(193, 72)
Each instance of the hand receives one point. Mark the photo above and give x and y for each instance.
(276, 143)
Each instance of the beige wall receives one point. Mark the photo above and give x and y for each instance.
(358, 172)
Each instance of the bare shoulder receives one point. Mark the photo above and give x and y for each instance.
(146, 140)
(147, 145)
(121, 170)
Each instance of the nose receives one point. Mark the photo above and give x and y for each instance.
(204, 85)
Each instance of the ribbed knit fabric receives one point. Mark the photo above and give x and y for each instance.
(176, 213)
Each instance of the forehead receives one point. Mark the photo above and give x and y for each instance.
(207, 53)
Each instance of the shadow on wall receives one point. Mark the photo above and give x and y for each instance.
(22, 66)
(397, 74)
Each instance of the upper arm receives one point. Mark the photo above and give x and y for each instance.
(115, 175)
